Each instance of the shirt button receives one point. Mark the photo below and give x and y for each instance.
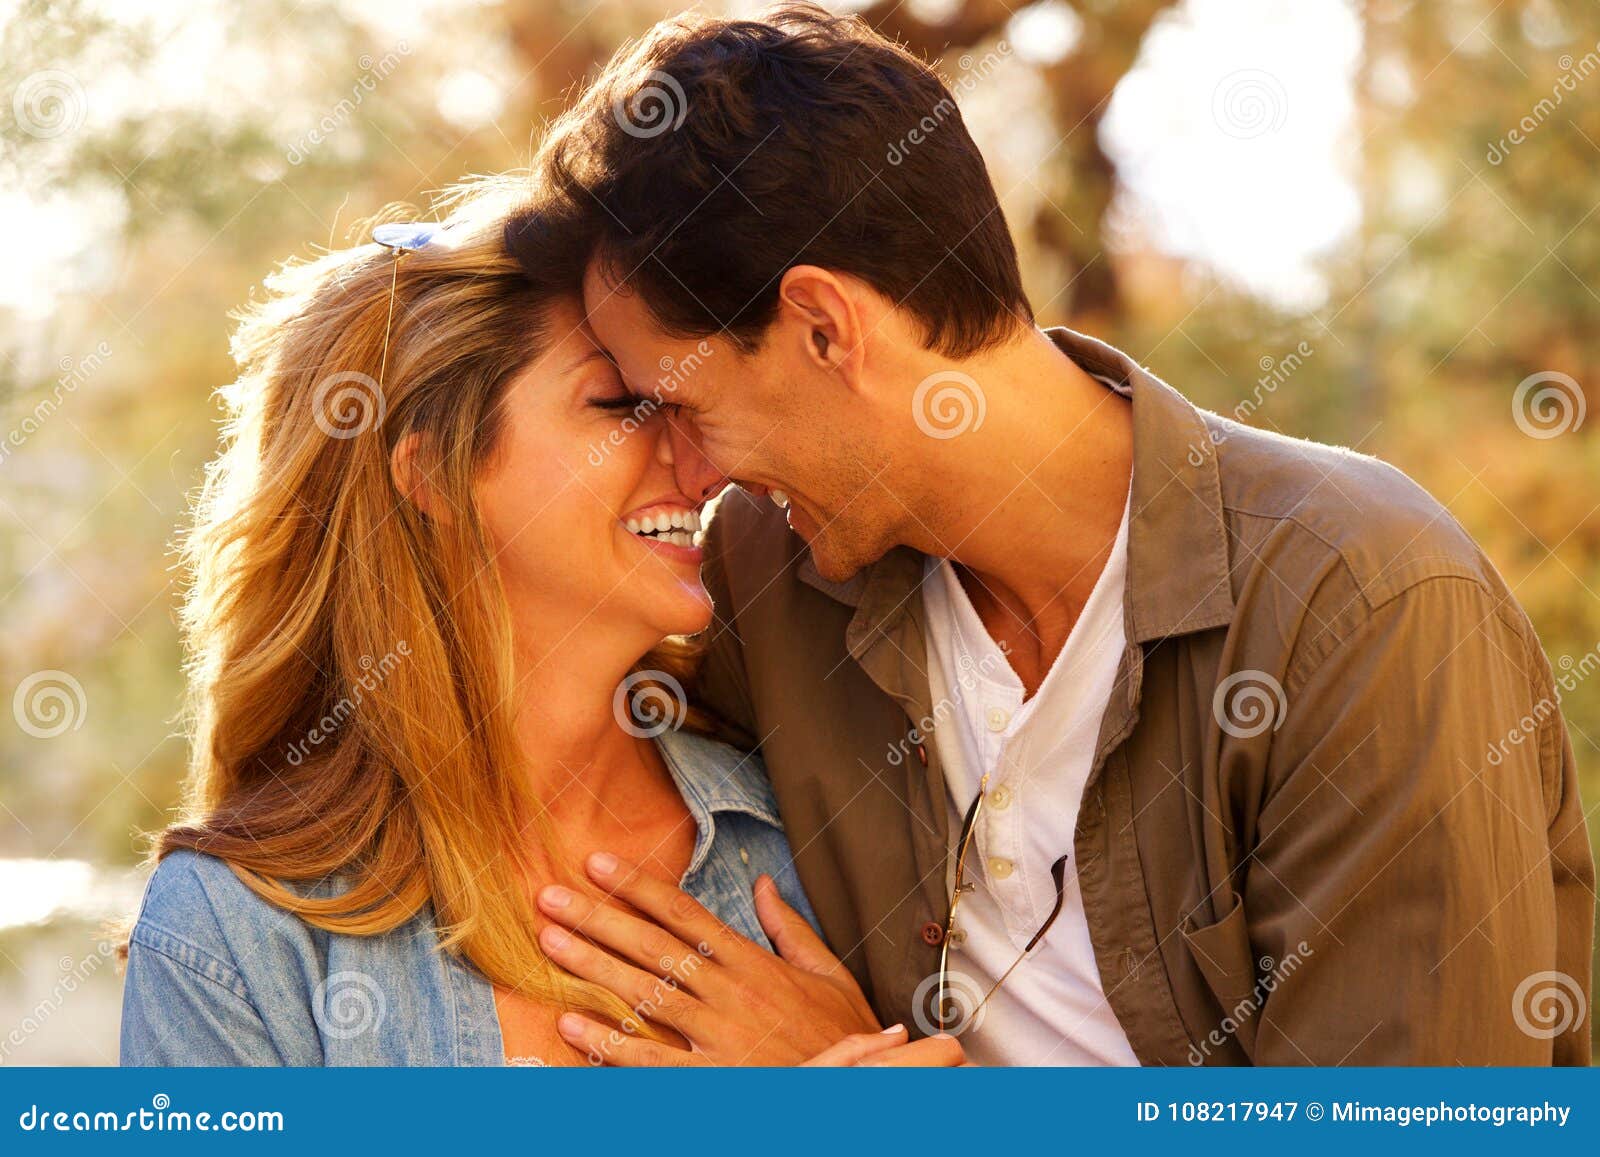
(744, 855)
(997, 719)
(999, 868)
(1000, 798)
(957, 938)
(932, 933)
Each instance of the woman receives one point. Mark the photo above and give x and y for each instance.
(436, 659)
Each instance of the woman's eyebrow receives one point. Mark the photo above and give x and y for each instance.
(588, 356)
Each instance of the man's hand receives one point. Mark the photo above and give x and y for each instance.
(678, 965)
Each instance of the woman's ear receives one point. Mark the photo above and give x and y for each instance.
(408, 469)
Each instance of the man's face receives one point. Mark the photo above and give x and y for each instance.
(771, 421)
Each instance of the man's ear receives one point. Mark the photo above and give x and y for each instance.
(823, 314)
(409, 466)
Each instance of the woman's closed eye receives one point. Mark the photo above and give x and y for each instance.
(617, 403)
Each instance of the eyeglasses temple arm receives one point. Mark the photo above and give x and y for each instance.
(1058, 873)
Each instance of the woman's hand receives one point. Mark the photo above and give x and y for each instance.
(676, 964)
(888, 1049)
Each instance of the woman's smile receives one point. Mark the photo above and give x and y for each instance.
(670, 529)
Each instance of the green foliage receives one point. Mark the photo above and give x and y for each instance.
(1433, 317)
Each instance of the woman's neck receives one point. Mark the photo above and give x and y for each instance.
(591, 776)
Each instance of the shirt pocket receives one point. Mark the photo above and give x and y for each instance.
(1222, 953)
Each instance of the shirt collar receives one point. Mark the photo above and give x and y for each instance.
(713, 778)
(1178, 576)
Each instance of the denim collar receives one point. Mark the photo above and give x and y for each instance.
(713, 777)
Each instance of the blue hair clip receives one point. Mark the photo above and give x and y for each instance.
(409, 237)
(401, 239)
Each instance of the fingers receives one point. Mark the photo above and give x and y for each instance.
(857, 1047)
(934, 1052)
(609, 1046)
(629, 937)
(651, 997)
(794, 939)
(670, 907)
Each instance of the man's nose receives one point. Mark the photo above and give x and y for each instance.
(679, 448)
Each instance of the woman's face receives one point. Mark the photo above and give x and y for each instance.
(586, 522)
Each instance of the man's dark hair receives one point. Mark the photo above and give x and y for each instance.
(717, 154)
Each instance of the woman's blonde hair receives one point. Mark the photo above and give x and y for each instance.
(350, 659)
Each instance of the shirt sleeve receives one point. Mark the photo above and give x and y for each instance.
(1421, 855)
(181, 1007)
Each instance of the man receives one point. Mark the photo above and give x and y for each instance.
(1106, 730)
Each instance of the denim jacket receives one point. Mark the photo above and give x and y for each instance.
(218, 976)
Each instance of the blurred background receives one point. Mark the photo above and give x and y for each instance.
(1370, 222)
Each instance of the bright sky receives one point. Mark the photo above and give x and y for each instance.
(1233, 135)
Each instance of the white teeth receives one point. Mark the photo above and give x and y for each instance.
(779, 498)
(675, 526)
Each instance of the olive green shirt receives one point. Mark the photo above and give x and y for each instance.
(1333, 816)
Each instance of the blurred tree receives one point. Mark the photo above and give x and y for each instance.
(1080, 85)
(167, 159)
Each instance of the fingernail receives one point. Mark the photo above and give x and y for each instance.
(894, 1028)
(556, 938)
(555, 896)
(570, 1025)
(602, 864)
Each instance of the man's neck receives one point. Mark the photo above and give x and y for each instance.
(1043, 485)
